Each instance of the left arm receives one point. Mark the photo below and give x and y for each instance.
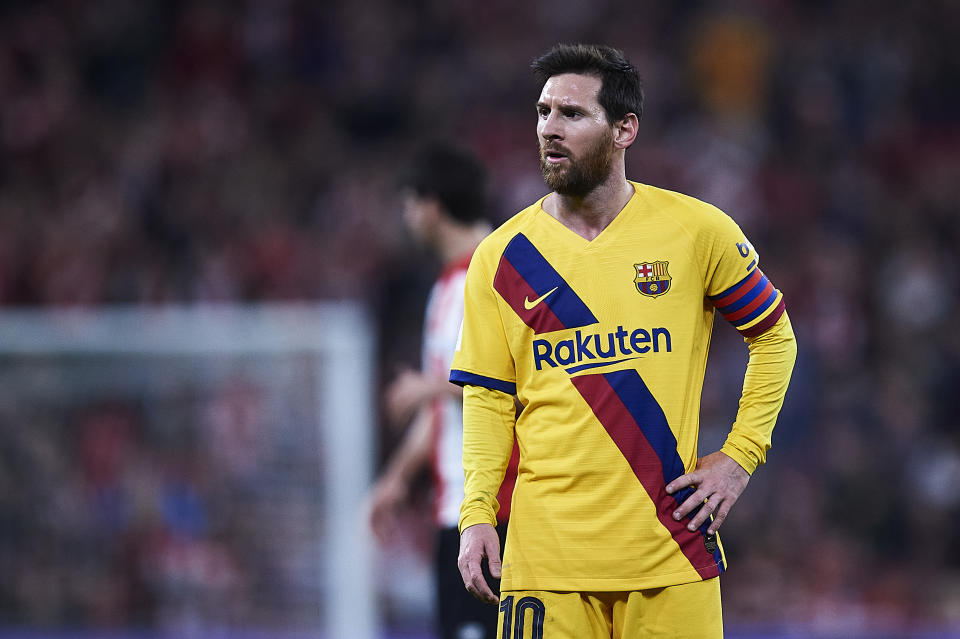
(721, 477)
(412, 389)
(393, 488)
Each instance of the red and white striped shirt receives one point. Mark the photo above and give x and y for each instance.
(440, 332)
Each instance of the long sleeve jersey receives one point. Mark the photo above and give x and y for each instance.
(605, 344)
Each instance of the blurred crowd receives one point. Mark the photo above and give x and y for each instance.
(158, 152)
(186, 505)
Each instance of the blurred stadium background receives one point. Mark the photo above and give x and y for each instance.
(225, 172)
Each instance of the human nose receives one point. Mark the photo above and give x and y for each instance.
(550, 128)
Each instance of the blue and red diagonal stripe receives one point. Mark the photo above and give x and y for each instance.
(636, 423)
(524, 276)
(749, 299)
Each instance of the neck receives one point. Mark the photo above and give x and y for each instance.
(456, 240)
(587, 216)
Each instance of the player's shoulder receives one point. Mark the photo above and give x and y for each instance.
(687, 210)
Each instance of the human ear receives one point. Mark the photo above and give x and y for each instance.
(625, 131)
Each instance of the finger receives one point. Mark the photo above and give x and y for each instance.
(703, 514)
(466, 570)
(690, 479)
(491, 550)
(483, 591)
(494, 564)
(479, 588)
(721, 515)
(690, 503)
(473, 579)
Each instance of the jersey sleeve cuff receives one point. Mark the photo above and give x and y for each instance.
(476, 516)
(747, 462)
(463, 378)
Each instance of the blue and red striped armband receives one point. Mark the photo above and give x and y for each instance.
(751, 298)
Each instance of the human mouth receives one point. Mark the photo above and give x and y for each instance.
(554, 156)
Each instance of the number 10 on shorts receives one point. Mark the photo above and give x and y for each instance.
(515, 617)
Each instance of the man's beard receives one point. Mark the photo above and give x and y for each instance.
(581, 176)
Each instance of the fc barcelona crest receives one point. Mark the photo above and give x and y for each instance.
(652, 278)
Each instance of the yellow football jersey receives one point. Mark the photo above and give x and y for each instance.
(605, 343)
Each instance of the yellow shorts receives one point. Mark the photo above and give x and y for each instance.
(675, 612)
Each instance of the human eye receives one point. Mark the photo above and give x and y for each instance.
(542, 111)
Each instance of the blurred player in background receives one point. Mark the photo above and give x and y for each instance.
(595, 306)
(444, 208)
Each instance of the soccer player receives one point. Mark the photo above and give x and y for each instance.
(444, 208)
(595, 306)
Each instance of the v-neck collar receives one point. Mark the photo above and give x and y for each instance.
(573, 238)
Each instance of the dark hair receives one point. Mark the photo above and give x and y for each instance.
(621, 91)
(453, 176)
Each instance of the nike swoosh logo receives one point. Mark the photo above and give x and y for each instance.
(527, 304)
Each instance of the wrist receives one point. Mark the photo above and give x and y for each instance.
(745, 461)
